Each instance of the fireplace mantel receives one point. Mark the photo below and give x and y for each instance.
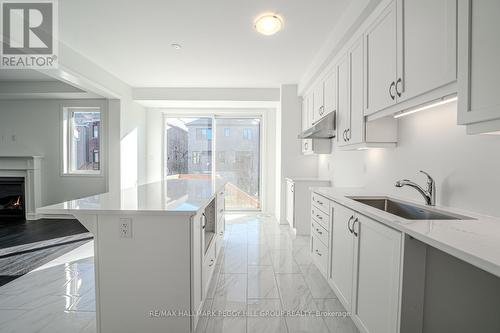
(29, 167)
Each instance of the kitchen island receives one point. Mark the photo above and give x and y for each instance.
(155, 247)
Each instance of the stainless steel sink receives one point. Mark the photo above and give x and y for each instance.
(407, 210)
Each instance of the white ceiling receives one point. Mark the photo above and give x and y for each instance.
(220, 48)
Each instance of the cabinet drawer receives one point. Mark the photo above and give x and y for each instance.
(320, 217)
(319, 232)
(319, 253)
(321, 202)
(208, 267)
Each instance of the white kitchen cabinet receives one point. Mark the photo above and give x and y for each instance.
(306, 118)
(429, 46)
(298, 203)
(377, 256)
(316, 146)
(330, 92)
(353, 131)
(478, 72)
(411, 55)
(341, 274)
(381, 63)
(318, 101)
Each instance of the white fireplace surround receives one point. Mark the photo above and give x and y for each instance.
(28, 167)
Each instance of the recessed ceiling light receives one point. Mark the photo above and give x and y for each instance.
(268, 24)
(176, 46)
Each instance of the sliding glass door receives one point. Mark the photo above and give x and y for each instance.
(217, 147)
(237, 160)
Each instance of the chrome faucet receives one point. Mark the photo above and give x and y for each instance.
(429, 194)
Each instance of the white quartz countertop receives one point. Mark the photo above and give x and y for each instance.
(475, 240)
(299, 179)
(172, 196)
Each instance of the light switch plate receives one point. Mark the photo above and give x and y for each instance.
(125, 228)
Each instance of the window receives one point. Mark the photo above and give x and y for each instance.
(247, 133)
(81, 141)
(227, 132)
(222, 157)
(203, 134)
(196, 157)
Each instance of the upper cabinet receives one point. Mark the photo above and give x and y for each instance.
(411, 53)
(381, 63)
(429, 46)
(478, 72)
(324, 97)
(353, 132)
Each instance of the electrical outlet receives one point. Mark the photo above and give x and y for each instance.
(125, 228)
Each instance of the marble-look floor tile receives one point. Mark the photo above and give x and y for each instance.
(295, 293)
(316, 282)
(230, 291)
(283, 262)
(335, 316)
(302, 255)
(265, 316)
(226, 325)
(261, 282)
(259, 255)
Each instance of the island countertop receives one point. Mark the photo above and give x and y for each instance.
(171, 196)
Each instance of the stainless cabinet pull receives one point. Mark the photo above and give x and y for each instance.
(319, 216)
(317, 252)
(398, 84)
(393, 85)
(212, 263)
(348, 134)
(306, 145)
(318, 231)
(349, 224)
(321, 110)
(353, 230)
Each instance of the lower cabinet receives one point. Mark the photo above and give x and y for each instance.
(365, 269)
(376, 276)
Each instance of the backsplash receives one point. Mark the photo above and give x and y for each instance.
(465, 167)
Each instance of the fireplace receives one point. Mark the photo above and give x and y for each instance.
(12, 199)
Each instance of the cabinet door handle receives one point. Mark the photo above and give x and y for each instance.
(317, 252)
(348, 134)
(349, 224)
(319, 231)
(321, 110)
(398, 84)
(211, 262)
(292, 188)
(393, 85)
(343, 136)
(353, 230)
(203, 220)
(319, 217)
(306, 145)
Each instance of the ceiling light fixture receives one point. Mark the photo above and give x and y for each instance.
(268, 24)
(176, 46)
(444, 100)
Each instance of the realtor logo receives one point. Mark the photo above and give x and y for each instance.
(28, 31)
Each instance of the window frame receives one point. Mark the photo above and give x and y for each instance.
(67, 128)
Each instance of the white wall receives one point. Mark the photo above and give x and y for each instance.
(466, 168)
(293, 163)
(36, 125)
(133, 149)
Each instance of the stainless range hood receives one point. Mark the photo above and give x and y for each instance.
(322, 129)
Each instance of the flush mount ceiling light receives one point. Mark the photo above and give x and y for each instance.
(176, 46)
(268, 24)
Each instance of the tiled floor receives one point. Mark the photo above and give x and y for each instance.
(264, 269)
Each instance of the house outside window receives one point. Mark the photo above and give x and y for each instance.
(81, 141)
(247, 134)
